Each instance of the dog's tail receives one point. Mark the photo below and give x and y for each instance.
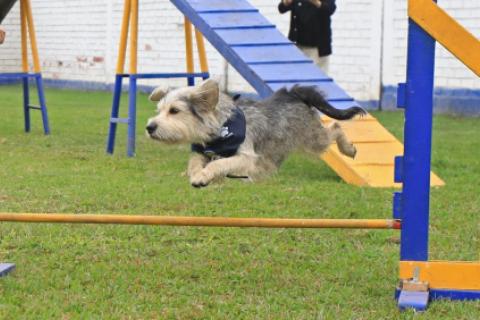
(311, 97)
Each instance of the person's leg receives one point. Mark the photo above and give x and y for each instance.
(312, 53)
(324, 63)
(2, 36)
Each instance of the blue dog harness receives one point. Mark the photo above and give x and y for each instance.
(232, 135)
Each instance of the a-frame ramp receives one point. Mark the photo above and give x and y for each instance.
(269, 61)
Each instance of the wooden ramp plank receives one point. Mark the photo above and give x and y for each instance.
(248, 37)
(368, 153)
(220, 5)
(289, 72)
(264, 54)
(376, 150)
(373, 132)
(236, 20)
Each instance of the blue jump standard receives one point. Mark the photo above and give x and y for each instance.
(132, 104)
(26, 97)
(413, 168)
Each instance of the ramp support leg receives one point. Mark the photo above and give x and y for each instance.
(130, 25)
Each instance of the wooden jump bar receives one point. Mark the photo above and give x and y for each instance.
(201, 221)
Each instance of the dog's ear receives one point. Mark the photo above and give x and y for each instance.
(207, 94)
(158, 93)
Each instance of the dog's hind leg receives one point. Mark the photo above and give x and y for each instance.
(344, 145)
(321, 138)
(238, 165)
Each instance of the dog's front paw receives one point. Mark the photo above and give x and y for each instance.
(201, 179)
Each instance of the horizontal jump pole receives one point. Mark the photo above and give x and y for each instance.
(201, 221)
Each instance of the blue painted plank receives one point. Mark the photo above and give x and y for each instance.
(291, 72)
(16, 75)
(167, 75)
(329, 88)
(13, 75)
(450, 294)
(220, 5)
(342, 105)
(6, 268)
(263, 54)
(436, 294)
(119, 120)
(236, 20)
(245, 37)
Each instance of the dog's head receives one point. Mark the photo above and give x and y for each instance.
(184, 115)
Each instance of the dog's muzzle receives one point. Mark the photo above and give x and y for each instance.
(151, 128)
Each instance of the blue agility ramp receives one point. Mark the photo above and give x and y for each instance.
(257, 49)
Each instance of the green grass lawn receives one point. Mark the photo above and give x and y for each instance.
(144, 272)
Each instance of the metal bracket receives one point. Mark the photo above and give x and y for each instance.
(414, 293)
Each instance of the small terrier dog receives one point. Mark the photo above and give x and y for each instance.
(250, 140)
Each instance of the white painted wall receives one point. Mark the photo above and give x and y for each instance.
(450, 72)
(78, 41)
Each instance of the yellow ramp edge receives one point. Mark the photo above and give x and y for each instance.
(447, 31)
(376, 150)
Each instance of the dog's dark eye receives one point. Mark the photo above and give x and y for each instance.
(173, 110)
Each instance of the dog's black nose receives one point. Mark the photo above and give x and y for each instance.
(151, 128)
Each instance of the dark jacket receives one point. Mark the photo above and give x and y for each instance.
(311, 26)
(5, 7)
(231, 137)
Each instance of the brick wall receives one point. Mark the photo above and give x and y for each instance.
(78, 42)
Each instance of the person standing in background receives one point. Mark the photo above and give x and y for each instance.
(2, 35)
(5, 7)
(310, 28)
